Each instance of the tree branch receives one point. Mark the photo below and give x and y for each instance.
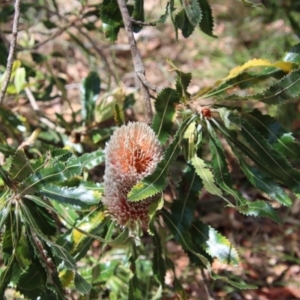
(137, 22)
(136, 57)
(12, 48)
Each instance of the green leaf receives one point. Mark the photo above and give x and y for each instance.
(82, 286)
(107, 270)
(184, 238)
(266, 125)
(207, 20)
(20, 166)
(214, 243)
(165, 106)
(159, 264)
(183, 208)
(288, 146)
(231, 118)
(206, 176)
(182, 83)
(221, 172)
(90, 90)
(263, 182)
(238, 284)
(138, 14)
(280, 166)
(163, 18)
(259, 209)
(58, 173)
(182, 22)
(43, 220)
(90, 160)
(63, 254)
(20, 79)
(293, 55)
(79, 197)
(193, 11)
(112, 19)
(156, 182)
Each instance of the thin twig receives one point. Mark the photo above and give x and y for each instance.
(12, 48)
(207, 289)
(141, 23)
(136, 57)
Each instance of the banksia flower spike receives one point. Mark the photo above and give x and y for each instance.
(132, 153)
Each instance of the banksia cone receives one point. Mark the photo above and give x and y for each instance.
(132, 153)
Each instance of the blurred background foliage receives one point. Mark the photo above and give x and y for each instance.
(68, 83)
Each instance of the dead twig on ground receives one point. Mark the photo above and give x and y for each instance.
(137, 60)
(12, 48)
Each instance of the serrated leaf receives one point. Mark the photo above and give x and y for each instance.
(214, 243)
(263, 182)
(206, 176)
(182, 22)
(82, 286)
(193, 11)
(58, 173)
(163, 17)
(207, 20)
(20, 166)
(231, 118)
(221, 172)
(79, 197)
(284, 66)
(266, 125)
(272, 158)
(293, 55)
(183, 208)
(182, 82)
(288, 146)
(260, 209)
(90, 89)
(238, 284)
(165, 106)
(63, 254)
(156, 182)
(285, 89)
(184, 238)
(159, 264)
(90, 160)
(263, 159)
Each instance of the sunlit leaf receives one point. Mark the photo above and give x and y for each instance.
(214, 243)
(206, 176)
(293, 55)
